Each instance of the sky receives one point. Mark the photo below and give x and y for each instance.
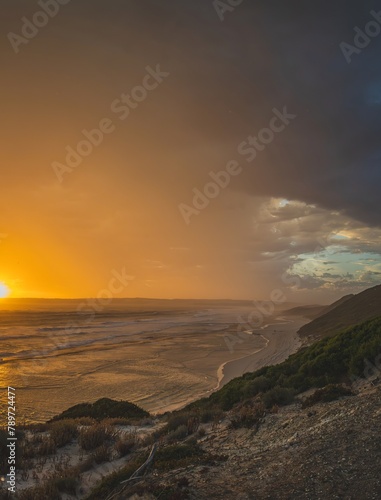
(263, 96)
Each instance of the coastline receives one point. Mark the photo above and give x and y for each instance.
(280, 344)
(224, 368)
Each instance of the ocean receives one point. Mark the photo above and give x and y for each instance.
(159, 354)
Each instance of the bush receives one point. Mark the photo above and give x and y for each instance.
(177, 455)
(177, 435)
(112, 482)
(125, 444)
(63, 432)
(94, 437)
(249, 416)
(328, 361)
(256, 386)
(329, 393)
(101, 454)
(47, 447)
(201, 432)
(104, 408)
(38, 446)
(176, 420)
(278, 396)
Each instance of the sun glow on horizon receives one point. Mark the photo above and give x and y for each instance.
(4, 291)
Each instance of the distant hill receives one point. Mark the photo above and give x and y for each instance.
(338, 303)
(347, 312)
(314, 311)
(310, 312)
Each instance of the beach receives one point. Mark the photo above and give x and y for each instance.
(281, 339)
(160, 355)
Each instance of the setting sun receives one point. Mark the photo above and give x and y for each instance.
(4, 291)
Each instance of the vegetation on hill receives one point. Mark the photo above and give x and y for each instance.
(315, 311)
(332, 360)
(310, 311)
(365, 305)
(102, 409)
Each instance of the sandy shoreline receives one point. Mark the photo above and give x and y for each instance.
(281, 343)
(161, 365)
(281, 339)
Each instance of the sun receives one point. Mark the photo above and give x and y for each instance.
(4, 291)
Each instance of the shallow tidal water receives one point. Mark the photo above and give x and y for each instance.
(158, 354)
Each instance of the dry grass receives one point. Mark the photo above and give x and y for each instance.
(63, 432)
(93, 437)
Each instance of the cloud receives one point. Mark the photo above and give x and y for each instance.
(308, 204)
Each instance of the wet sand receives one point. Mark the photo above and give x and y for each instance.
(269, 346)
(282, 340)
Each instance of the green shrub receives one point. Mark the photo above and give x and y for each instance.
(102, 409)
(177, 455)
(249, 416)
(332, 360)
(178, 434)
(210, 415)
(176, 420)
(329, 393)
(278, 396)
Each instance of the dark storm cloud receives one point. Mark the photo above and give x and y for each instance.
(225, 79)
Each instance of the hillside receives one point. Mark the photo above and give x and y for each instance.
(331, 451)
(314, 311)
(311, 311)
(365, 305)
(329, 361)
(271, 434)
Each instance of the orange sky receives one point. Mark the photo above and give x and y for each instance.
(119, 209)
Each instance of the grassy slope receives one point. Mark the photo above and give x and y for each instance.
(331, 360)
(365, 305)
